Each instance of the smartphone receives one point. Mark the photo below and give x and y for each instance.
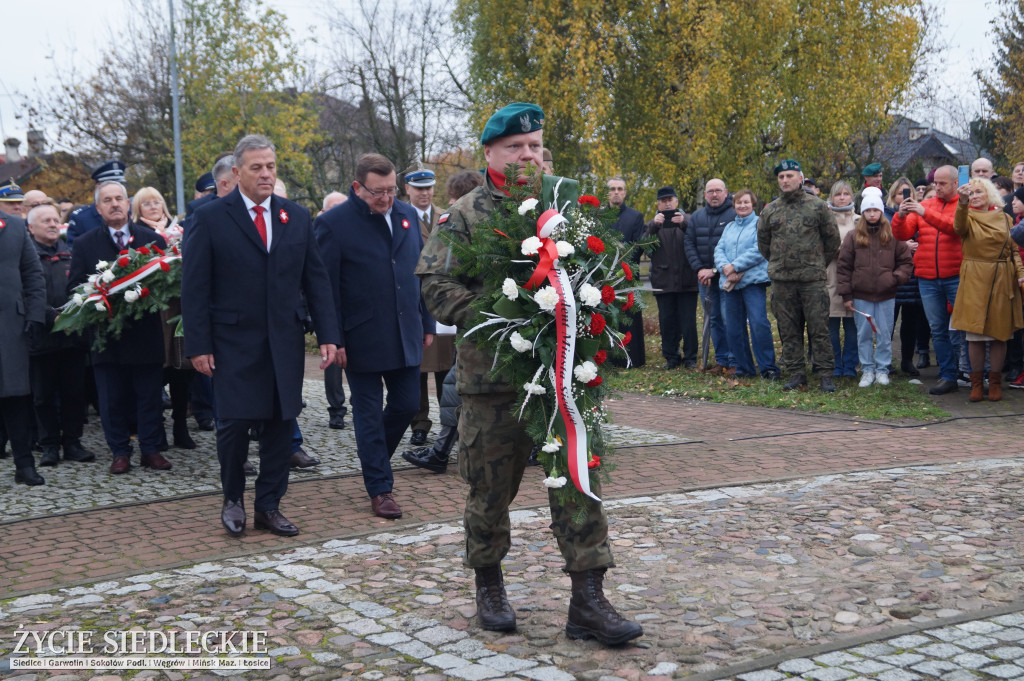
(965, 174)
(669, 214)
(906, 193)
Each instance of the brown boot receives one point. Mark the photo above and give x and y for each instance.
(592, 616)
(995, 386)
(491, 603)
(977, 386)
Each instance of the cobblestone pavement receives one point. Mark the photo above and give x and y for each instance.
(729, 582)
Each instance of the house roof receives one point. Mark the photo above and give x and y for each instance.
(897, 150)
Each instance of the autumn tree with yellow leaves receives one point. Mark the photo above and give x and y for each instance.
(1005, 90)
(676, 92)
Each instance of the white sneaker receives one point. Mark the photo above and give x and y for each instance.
(882, 379)
(867, 378)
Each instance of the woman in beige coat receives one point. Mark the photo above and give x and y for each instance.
(988, 300)
(840, 202)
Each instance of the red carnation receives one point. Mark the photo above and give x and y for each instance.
(607, 294)
(597, 324)
(629, 272)
(630, 301)
(600, 357)
(595, 245)
(594, 462)
(158, 250)
(165, 267)
(124, 252)
(122, 261)
(143, 250)
(588, 200)
(628, 337)
(596, 382)
(143, 293)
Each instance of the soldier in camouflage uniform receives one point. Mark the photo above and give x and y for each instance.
(493, 444)
(798, 236)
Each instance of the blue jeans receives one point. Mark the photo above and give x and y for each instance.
(935, 294)
(845, 351)
(711, 299)
(743, 306)
(875, 349)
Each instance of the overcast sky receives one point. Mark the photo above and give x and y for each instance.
(72, 29)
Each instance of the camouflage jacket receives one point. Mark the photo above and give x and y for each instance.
(797, 235)
(448, 296)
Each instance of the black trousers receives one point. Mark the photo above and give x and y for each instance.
(335, 390)
(58, 395)
(16, 417)
(275, 455)
(130, 393)
(677, 316)
(633, 321)
(914, 329)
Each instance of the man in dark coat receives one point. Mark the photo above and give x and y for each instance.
(87, 218)
(22, 313)
(250, 258)
(674, 282)
(702, 234)
(129, 371)
(57, 362)
(370, 245)
(631, 225)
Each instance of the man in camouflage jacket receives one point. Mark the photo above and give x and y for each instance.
(493, 444)
(798, 236)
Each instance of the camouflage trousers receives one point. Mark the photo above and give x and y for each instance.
(796, 303)
(493, 451)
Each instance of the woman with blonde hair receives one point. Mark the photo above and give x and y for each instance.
(150, 209)
(914, 330)
(844, 350)
(988, 300)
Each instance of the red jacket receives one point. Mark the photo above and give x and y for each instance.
(939, 251)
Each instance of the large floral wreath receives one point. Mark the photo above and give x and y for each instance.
(556, 281)
(138, 282)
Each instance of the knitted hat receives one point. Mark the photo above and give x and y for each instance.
(871, 197)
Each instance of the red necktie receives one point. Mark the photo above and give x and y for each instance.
(261, 226)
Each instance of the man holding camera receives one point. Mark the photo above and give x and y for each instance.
(674, 282)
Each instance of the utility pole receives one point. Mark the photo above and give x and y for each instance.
(179, 176)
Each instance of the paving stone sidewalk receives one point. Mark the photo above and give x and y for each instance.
(730, 582)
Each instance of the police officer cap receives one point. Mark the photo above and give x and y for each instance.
(514, 119)
(11, 192)
(872, 169)
(205, 183)
(109, 171)
(788, 164)
(420, 178)
(666, 192)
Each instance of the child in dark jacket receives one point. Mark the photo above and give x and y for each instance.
(872, 264)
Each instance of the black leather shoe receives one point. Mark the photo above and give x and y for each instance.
(907, 367)
(828, 384)
(249, 469)
(592, 616)
(74, 451)
(795, 381)
(182, 439)
(943, 387)
(51, 455)
(337, 422)
(426, 458)
(419, 438)
(232, 517)
(491, 602)
(532, 461)
(205, 425)
(275, 522)
(923, 361)
(28, 476)
(300, 459)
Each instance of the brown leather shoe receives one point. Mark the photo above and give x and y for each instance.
(384, 506)
(232, 516)
(275, 522)
(302, 460)
(156, 462)
(121, 464)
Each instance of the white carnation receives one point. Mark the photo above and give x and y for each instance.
(519, 343)
(78, 299)
(551, 446)
(102, 265)
(93, 278)
(88, 290)
(527, 205)
(590, 295)
(534, 389)
(107, 276)
(131, 295)
(531, 245)
(586, 372)
(555, 483)
(546, 298)
(565, 249)
(510, 288)
(101, 307)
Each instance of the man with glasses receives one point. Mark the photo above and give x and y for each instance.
(370, 245)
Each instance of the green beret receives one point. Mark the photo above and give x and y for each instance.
(788, 164)
(514, 119)
(872, 169)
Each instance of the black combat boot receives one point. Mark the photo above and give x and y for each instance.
(491, 603)
(592, 616)
(795, 381)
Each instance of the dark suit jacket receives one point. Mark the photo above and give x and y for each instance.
(381, 315)
(244, 305)
(142, 341)
(631, 224)
(190, 214)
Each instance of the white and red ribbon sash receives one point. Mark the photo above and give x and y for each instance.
(103, 291)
